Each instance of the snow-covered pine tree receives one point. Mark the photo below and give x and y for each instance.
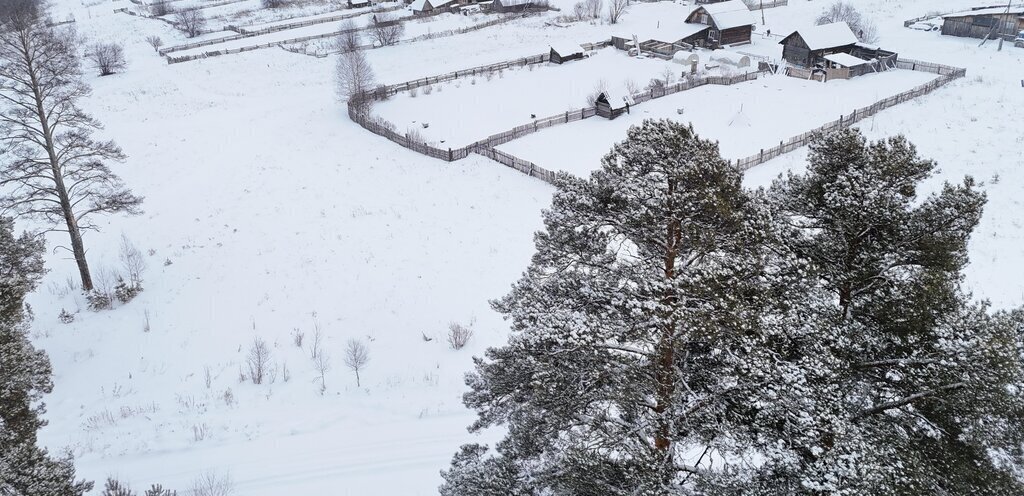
(631, 330)
(921, 387)
(25, 468)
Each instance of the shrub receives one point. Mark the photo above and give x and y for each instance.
(356, 357)
(65, 317)
(158, 490)
(212, 484)
(161, 9)
(458, 335)
(258, 360)
(108, 58)
(98, 300)
(114, 487)
(125, 292)
(155, 42)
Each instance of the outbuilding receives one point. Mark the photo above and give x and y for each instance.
(610, 105)
(425, 7)
(512, 5)
(355, 4)
(807, 47)
(564, 52)
(984, 22)
(728, 23)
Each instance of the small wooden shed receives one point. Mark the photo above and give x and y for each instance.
(354, 4)
(610, 105)
(564, 52)
(986, 21)
(729, 22)
(425, 7)
(807, 47)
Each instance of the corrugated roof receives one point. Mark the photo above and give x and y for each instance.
(832, 35)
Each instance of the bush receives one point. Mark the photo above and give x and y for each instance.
(192, 22)
(161, 9)
(108, 58)
(114, 487)
(65, 317)
(843, 11)
(273, 4)
(258, 360)
(212, 484)
(98, 300)
(458, 335)
(125, 292)
(158, 490)
(155, 42)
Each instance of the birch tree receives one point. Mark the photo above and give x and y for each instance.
(52, 168)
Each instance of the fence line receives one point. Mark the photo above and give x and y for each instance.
(767, 4)
(946, 74)
(311, 22)
(529, 168)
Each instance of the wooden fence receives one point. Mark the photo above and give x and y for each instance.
(946, 75)
(311, 22)
(360, 114)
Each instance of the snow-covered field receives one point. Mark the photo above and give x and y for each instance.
(271, 205)
(743, 118)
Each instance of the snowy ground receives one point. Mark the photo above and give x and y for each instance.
(743, 118)
(271, 205)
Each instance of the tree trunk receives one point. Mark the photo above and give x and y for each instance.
(664, 373)
(77, 247)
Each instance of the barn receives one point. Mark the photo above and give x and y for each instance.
(564, 52)
(728, 23)
(985, 22)
(512, 5)
(425, 7)
(807, 47)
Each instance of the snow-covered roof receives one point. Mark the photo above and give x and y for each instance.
(731, 58)
(668, 32)
(989, 11)
(418, 5)
(615, 100)
(566, 48)
(845, 59)
(684, 57)
(731, 14)
(832, 35)
(511, 3)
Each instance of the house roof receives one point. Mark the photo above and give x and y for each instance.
(730, 14)
(1014, 10)
(510, 3)
(418, 5)
(666, 31)
(845, 59)
(824, 36)
(615, 100)
(566, 48)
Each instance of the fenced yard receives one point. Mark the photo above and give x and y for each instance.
(459, 111)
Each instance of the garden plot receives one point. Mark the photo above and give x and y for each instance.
(258, 25)
(465, 110)
(743, 118)
(412, 29)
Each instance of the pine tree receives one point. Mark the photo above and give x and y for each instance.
(629, 329)
(27, 470)
(53, 168)
(915, 393)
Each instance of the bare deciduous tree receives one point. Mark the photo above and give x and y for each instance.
(356, 357)
(132, 261)
(322, 364)
(155, 42)
(387, 29)
(108, 58)
(616, 9)
(258, 360)
(458, 335)
(594, 8)
(354, 78)
(52, 168)
(348, 40)
(843, 11)
(191, 22)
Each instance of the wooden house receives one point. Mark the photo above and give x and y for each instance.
(726, 23)
(609, 105)
(426, 7)
(564, 52)
(503, 6)
(983, 22)
(354, 4)
(808, 47)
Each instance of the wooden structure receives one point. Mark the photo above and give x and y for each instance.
(354, 4)
(426, 7)
(610, 106)
(808, 47)
(984, 22)
(504, 6)
(564, 52)
(727, 23)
